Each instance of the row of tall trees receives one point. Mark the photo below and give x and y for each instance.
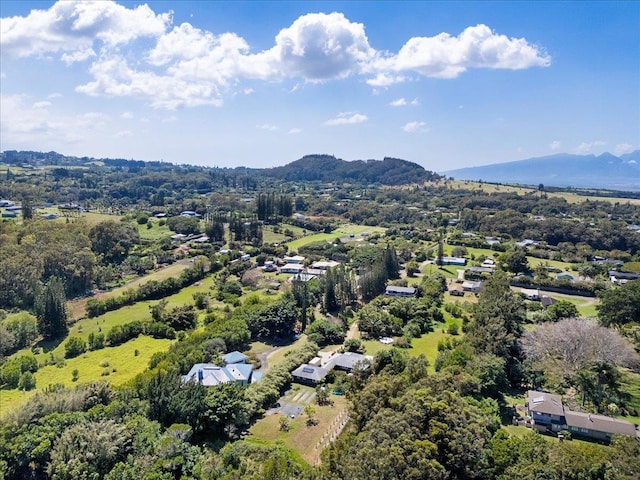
(269, 205)
(374, 279)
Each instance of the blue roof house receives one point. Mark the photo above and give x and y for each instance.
(234, 357)
(235, 370)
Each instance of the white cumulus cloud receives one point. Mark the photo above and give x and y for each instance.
(586, 147)
(74, 26)
(446, 56)
(555, 145)
(401, 102)
(623, 148)
(267, 126)
(184, 66)
(295, 130)
(412, 127)
(347, 118)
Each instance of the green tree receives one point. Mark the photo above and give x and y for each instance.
(620, 305)
(74, 346)
(515, 261)
(88, 450)
(27, 381)
(24, 328)
(113, 240)
(561, 309)
(498, 320)
(51, 309)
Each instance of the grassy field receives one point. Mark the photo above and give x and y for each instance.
(630, 384)
(427, 344)
(570, 197)
(343, 230)
(116, 365)
(156, 232)
(76, 308)
(301, 438)
(276, 357)
(533, 261)
(586, 305)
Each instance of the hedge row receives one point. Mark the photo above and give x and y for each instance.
(152, 290)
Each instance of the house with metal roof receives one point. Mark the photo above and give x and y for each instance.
(393, 291)
(292, 268)
(234, 357)
(598, 427)
(235, 370)
(309, 374)
(548, 414)
(315, 371)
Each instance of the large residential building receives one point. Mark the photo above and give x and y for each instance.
(235, 370)
(548, 414)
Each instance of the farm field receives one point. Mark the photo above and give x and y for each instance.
(156, 232)
(116, 365)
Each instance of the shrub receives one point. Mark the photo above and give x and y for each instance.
(27, 381)
(75, 346)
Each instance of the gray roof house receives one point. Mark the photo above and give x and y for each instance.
(309, 374)
(548, 414)
(234, 357)
(393, 291)
(346, 361)
(312, 373)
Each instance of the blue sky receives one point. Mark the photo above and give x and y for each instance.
(442, 84)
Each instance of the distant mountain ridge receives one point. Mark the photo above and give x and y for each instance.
(605, 171)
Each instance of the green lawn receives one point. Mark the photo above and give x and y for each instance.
(123, 365)
(586, 305)
(630, 384)
(275, 358)
(427, 344)
(76, 308)
(341, 231)
(156, 232)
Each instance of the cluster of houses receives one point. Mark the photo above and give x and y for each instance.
(548, 414)
(235, 369)
(294, 265)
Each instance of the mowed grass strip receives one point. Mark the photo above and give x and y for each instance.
(116, 365)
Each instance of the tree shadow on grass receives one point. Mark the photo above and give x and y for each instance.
(49, 344)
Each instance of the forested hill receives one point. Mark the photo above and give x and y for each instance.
(323, 168)
(327, 168)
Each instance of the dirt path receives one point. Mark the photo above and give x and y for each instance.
(353, 331)
(264, 359)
